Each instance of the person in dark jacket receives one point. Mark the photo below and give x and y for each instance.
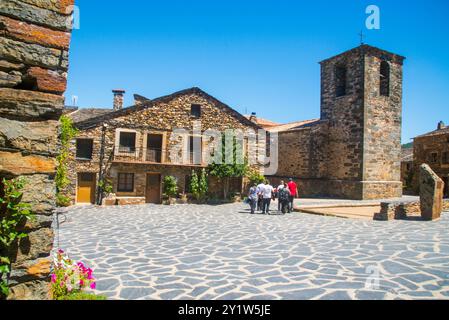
(284, 199)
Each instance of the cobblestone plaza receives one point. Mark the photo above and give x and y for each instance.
(223, 252)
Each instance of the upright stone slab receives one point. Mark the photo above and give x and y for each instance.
(431, 193)
(34, 44)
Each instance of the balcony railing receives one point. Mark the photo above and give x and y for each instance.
(153, 155)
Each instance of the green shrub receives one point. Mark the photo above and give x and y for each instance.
(106, 186)
(67, 133)
(170, 187)
(13, 215)
(62, 200)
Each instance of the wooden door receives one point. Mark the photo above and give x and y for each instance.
(86, 188)
(153, 189)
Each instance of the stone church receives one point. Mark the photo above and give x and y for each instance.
(353, 150)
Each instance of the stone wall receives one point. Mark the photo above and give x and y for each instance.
(354, 150)
(423, 147)
(34, 42)
(162, 117)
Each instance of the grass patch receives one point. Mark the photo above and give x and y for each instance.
(82, 296)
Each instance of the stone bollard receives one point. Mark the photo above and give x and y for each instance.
(431, 193)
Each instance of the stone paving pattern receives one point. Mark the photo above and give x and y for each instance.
(223, 252)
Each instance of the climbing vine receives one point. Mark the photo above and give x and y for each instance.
(13, 215)
(67, 133)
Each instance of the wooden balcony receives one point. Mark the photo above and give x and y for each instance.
(157, 156)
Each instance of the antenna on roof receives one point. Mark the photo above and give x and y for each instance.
(362, 36)
(74, 100)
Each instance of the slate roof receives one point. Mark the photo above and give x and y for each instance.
(294, 125)
(102, 116)
(264, 123)
(80, 115)
(445, 130)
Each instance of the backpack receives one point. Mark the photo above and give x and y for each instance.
(284, 194)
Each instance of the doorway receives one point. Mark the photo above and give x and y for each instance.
(86, 188)
(153, 188)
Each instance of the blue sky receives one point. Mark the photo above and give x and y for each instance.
(257, 56)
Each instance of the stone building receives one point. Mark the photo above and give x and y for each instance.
(407, 169)
(353, 150)
(134, 148)
(34, 46)
(433, 149)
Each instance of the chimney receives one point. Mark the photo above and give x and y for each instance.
(253, 117)
(441, 125)
(118, 99)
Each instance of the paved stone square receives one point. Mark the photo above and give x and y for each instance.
(223, 252)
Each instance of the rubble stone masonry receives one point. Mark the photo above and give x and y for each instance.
(354, 150)
(34, 44)
(160, 116)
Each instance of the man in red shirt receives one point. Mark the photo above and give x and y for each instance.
(293, 192)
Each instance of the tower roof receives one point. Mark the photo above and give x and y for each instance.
(370, 50)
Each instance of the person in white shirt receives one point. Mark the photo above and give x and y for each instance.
(280, 187)
(259, 195)
(267, 194)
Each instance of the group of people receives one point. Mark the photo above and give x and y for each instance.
(260, 196)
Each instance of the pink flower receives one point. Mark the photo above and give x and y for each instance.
(81, 283)
(93, 285)
(60, 251)
(53, 278)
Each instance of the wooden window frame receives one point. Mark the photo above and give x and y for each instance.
(433, 160)
(127, 175)
(118, 133)
(196, 110)
(91, 148)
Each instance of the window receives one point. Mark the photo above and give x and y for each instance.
(127, 142)
(84, 148)
(433, 157)
(195, 110)
(445, 159)
(385, 79)
(125, 182)
(340, 80)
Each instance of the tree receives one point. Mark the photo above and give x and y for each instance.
(170, 186)
(228, 167)
(255, 176)
(199, 185)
